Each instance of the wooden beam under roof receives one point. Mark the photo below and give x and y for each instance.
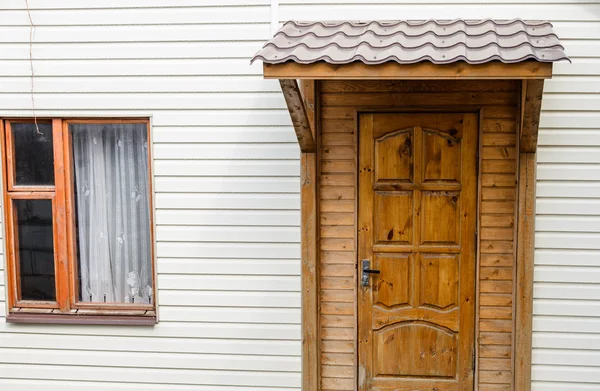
(421, 71)
(531, 106)
(297, 110)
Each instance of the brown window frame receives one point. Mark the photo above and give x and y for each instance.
(67, 308)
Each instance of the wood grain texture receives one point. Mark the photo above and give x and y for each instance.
(418, 99)
(310, 248)
(416, 319)
(531, 106)
(417, 86)
(108, 320)
(61, 258)
(497, 258)
(338, 190)
(11, 292)
(524, 281)
(309, 94)
(309, 244)
(337, 205)
(300, 119)
(11, 192)
(70, 217)
(421, 71)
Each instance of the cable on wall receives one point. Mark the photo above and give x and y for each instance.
(31, 29)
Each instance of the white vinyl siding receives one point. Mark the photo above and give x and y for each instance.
(566, 320)
(226, 180)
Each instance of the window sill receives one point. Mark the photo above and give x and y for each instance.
(77, 319)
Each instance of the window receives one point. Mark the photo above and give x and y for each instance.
(78, 221)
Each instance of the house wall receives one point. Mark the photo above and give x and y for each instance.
(226, 179)
(227, 192)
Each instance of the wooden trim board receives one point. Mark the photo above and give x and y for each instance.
(308, 94)
(524, 281)
(111, 320)
(531, 106)
(310, 246)
(295, 104)
(421, 70)
(310, 293)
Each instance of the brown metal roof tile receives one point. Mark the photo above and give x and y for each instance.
(407, 42)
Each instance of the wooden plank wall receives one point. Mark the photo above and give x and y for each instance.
(340, 101)
(498, 171)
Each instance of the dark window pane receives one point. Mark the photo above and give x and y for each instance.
(36, 249)
(34, 155)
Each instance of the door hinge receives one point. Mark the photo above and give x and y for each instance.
(473, 360)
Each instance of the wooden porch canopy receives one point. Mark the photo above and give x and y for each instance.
(409, 50)
(412, 50)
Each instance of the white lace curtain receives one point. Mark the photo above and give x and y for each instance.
(113, 213)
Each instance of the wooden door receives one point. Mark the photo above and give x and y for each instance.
(417, 222)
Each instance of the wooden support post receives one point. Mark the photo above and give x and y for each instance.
(310, 293)
(297, 110)
(531, 105)
(524, 287)
(310, 245)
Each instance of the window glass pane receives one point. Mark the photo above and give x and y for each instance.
(113, 212)
(34, 155)
(36, 249)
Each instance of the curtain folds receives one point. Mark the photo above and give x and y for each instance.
(113, 212)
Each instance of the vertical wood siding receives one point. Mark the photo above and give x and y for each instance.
(227, 192)
(337, 261)
(498, 172)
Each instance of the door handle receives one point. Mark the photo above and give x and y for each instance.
(366, 271)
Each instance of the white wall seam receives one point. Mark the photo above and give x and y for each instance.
(274, 16)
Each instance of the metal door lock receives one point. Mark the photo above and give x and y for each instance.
(366, 271)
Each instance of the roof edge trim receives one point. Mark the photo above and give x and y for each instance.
(416, 71)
